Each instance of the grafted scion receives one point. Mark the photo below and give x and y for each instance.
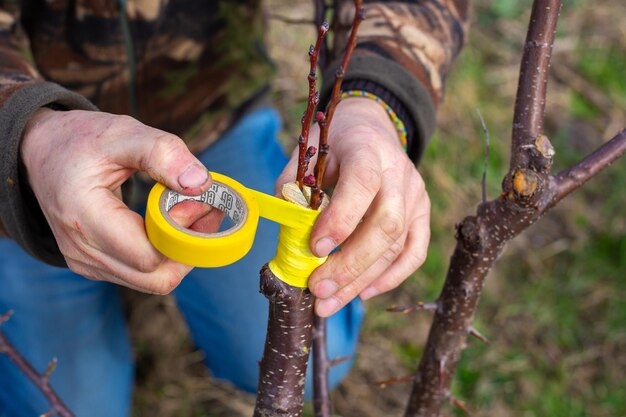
(324, 123)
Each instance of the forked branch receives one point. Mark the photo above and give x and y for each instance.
(324, 122)
(528, 191)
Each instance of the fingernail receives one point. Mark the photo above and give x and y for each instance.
(369, 292)
(324, 246)
(194, 176)
(327, 307)
(325, 288)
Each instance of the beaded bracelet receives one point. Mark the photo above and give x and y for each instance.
(398, 124)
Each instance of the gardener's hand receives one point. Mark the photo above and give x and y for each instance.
(76, 162)
(379, 210)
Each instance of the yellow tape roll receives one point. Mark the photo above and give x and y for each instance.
(204, 249)
(293, 262)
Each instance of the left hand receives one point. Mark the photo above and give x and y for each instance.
(379, 210)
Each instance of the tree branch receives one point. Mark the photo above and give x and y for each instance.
(572, 178)
(304, 152)
(322, 404)
(481, 238)
(531, 89)
(319, 17)
(41, 381)
(528, 191)
(320, 166)
(282, 370)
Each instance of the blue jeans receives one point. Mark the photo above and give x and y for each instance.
(80, 322)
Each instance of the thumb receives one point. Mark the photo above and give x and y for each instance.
(165, 157)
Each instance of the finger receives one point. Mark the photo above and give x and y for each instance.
(122, 236)
(163, 156)
(379, 236)
(331, 299)
(359, 181)
(411, 259)
(197, 216)
(161, 281)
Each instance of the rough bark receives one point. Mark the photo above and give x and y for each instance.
(282, 371)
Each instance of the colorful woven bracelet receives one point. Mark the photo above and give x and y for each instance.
(399, 125)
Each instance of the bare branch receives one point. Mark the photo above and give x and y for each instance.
(533, 80)
(322, 404)
(320, 166)
(569, 180)
(313, 100)
(481, 238)
(320, 16)
(41, 381)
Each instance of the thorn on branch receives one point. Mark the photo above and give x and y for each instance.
(51, 367)
(479, 336)
(410, 309)
(460, 404)
(396, 380)
(5, 317)
(340, 360)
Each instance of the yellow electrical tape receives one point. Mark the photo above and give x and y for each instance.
(293, 263)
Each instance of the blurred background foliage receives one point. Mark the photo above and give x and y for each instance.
(554, 308)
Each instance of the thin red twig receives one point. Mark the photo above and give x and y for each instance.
(320, 166)
(312, 102)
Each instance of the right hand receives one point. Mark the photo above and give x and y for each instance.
(76, 163)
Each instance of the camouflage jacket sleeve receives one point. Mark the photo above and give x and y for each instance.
(22, 92)
(404, 52)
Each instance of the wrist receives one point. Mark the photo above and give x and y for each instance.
(360, 112)
(35, 127)
(398, 124)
